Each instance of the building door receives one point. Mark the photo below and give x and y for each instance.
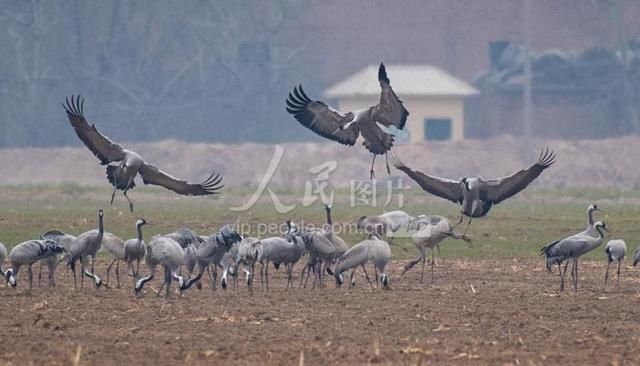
(437, 129)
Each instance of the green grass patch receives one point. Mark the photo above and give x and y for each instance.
(515, 228)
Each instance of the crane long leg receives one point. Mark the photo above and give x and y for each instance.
(353, 272)
(373, 175)
(306, 279)
(30, 272)
(118, 273)
(40, 273)
(618, 278)
(424, 261)
(253, 270)
(109, 270)
(564, 274)
(459, 221)
(82, 265)
(113, 194)
(386, 159)
(304, 269)
(93, 270)
(130, 203)
(410, 265)
(72, 266)
(161, 287)
(168, 280)
(375, 271)
(433, 261)
(467, 228)
(606, 276)
(577, 274)
(266, 276)
(366, 275)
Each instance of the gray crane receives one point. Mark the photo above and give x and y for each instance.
(114, 246)
(321, 250)
(190, 242)
(339, 244)
(28, 253)
(428, 232)
(249, 253)
(372, 250)
(52, 262)
(572, 248)
(84, 246)
(588, 230)
(122, 176)
(346, 127)
(478, 195)
(164, 251)
(616, 250)
(212, 252)
(134, 250)
(280, 251)
(229, 266)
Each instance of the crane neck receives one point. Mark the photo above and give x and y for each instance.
(139, 228)
(100, 224)
(599, 229)
(329, 221)
(590, 216)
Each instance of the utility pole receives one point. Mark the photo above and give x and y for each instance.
(527, 107)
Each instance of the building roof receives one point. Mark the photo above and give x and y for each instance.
(425, 80)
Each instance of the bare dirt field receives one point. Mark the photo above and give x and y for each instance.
(581, 163)
(478, 311)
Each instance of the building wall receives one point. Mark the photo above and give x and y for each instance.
(419, 109)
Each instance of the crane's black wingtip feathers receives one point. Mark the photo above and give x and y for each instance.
(75, 107)
(395, 160)
(212, 184)
(382, 74)
(297, 102)
(547, 158)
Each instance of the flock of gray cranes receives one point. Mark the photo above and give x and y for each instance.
(185, 255)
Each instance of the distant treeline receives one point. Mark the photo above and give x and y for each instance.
(192, 70)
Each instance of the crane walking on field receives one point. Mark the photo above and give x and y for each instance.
(616, 251)
(572, 248)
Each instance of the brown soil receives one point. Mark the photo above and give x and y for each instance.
(477, 312)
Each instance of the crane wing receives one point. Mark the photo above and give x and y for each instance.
(321, 119)
(152, 175)
(390, 111)
(100, 145)
(441, 187)
(498, 190)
